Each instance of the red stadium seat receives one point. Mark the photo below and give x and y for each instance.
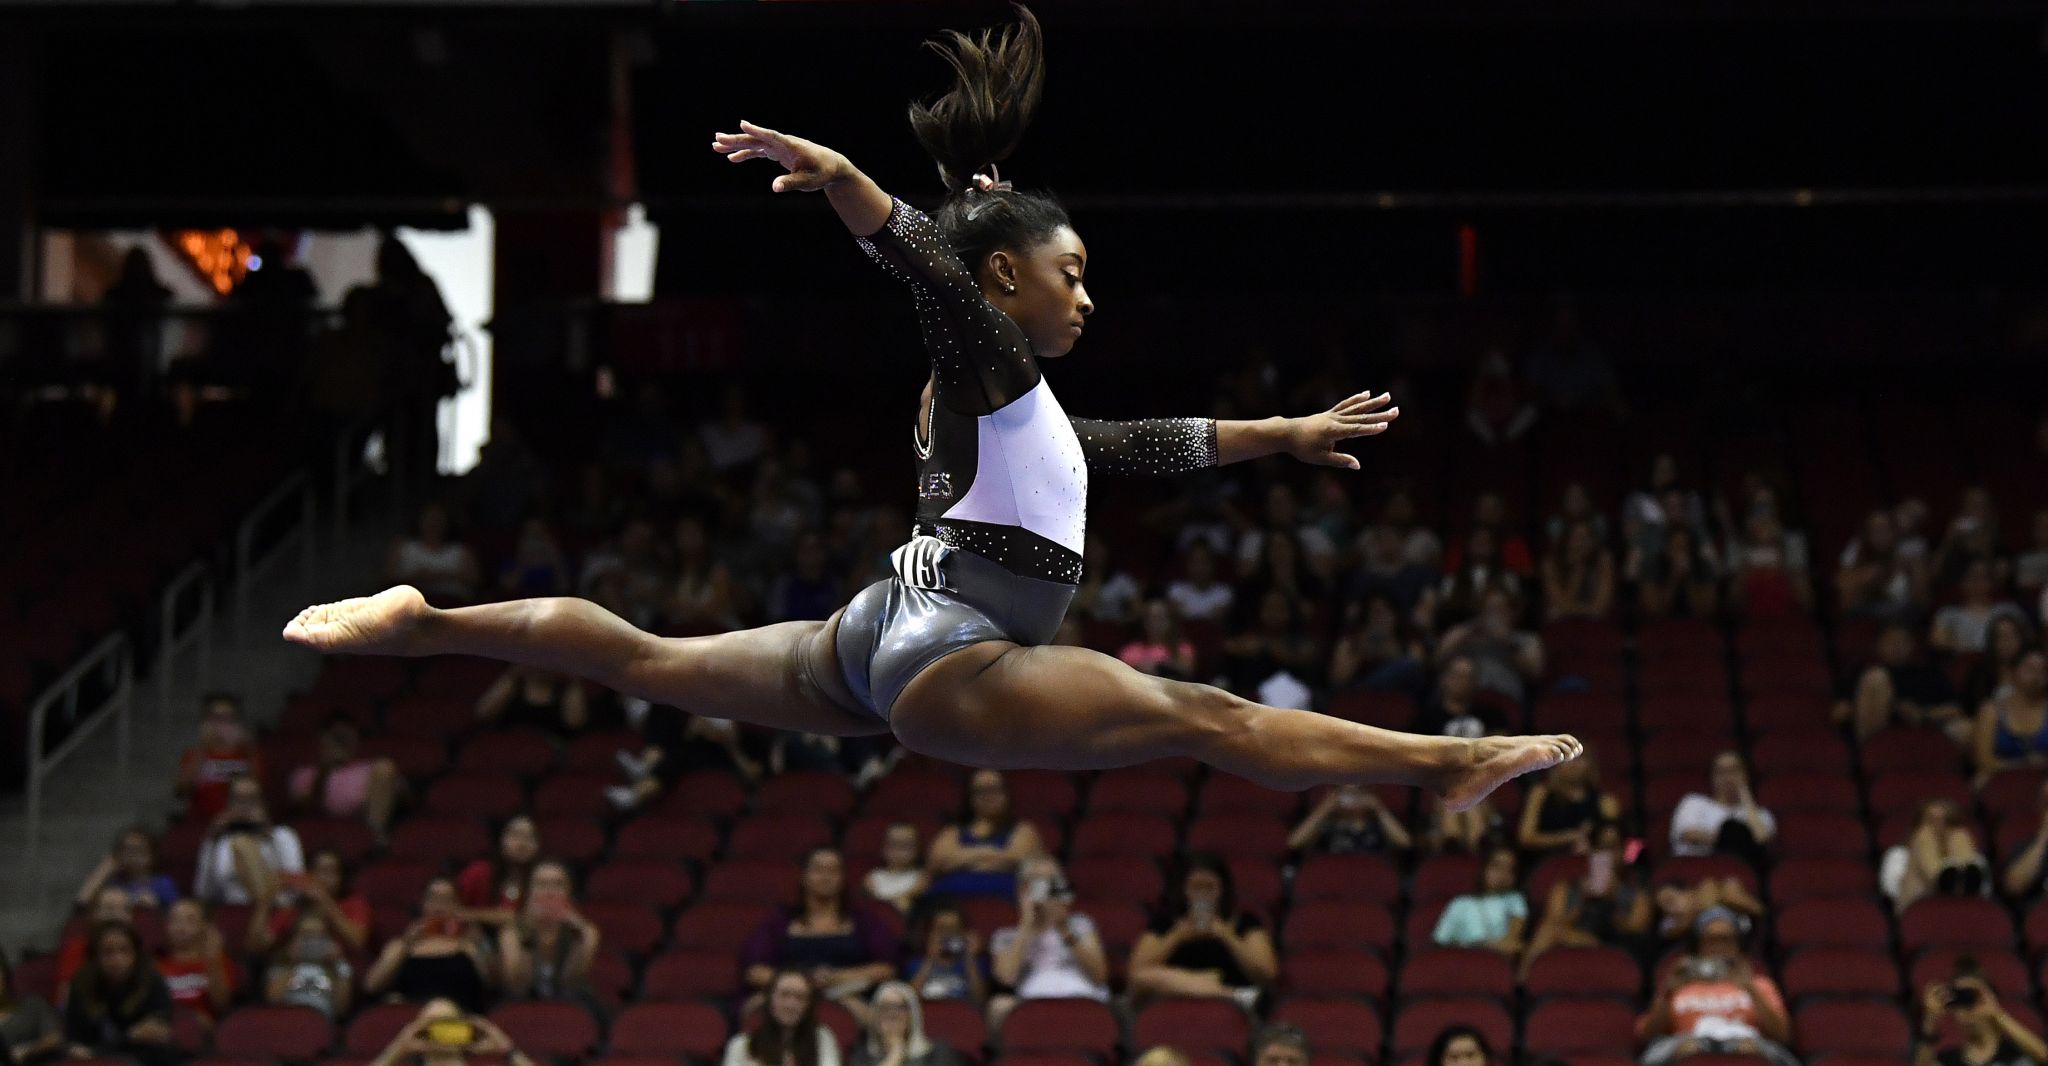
(394, 883)
(722, 926)
(1192, 1025)
(1833, 923)
(519, 752)
(1043, 794)
(1118, 924)
(862, 842)
(634, 928)
(1692, 869)
(418, 758)
(1806, 791)
(572, 795)
(1772, 710)
(347, 837)
(778, 837)
(1584, 972)
(548, 1028)
(697, 1030)
(912, 794)
(1334, 973)
(1797, 879)
(1105, 877)
(1435, 971)
(987, 914)
(1901, 750)
(495, 797)
(812, 792)
(1417, 1023)
(440, 841)
(430, 717)
(1814, 836)
(1252, 836)
(1441, 878)
(681, 976)
(705, 792)
(36, 975)
(1229, 794)
(2003, 970)
(1338, 1025)
(578, 841)
(1794, 751)
(597, 753)
(291, 1033)
(1257, 883)
(958, 1024)
(1580, 1027)
(1361, 877)
(1046, 1058)
(644, 881)
(1854, 1027)
(1839, 972)
(376, 1026)
(2014, 792)
(1905, 790)
(1338, 924)
(1123, 834)
(1073, 1025)
(667, 838)
(459, 678)
(1138, 792)
(1387, 710)
(1954, 922)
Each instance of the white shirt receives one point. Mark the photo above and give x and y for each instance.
(1050, 969)
(1698, 811)
(1201, 603)
(891, 884)
(215, 880)
(736, 1050)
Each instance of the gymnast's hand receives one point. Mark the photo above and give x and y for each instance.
(1314, 438)
(811, 166)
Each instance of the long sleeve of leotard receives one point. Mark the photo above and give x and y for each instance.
(1147, 445)
(980, 356)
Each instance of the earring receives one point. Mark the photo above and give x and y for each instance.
(1009, 288)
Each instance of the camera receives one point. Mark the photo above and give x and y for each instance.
(241, 826)
(1963, 996)
(1707, 970)
(956, 945)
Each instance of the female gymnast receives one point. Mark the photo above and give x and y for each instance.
(951, 653)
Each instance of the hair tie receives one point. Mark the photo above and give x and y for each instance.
(991, 181)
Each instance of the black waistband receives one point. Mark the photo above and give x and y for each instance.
(1013, 548)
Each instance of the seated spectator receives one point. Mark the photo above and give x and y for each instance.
(109, 907)
(1505, 658)
(1283, 565)
(1052, 952)
(1941, 857)
(1475, 572)
(1453, 711)
(343, 784)
(546, 952)
(443, 569)
(1494, 411)
(1877, 581)
(626, 575)
(1990, 1034)
(953, 966)
(2012, 730)
(2030, 570)
(1679, 906)
(1283, 522)
(1681, 580)
(1574, 507)
(1467, 831)
(1767, 564)
(310, 969)
(1279, 1044)
(444, 1035)
(1350, 819)
(495, 886)
(1199, 595)
(1658, 506)
(31, 1033)
(525, 698)
(194, 962)
(840, 948)
(702, 595)
(1494, 915)
(1727, 820)
(809, 590)
(2023, 874)
(1157, 647)
(895, 1033)
(1578, 576)
(538, 566)
(1278, 660)
(1459, 1045)
(1972, 537)
(225, 752)
(130, 865)
(244, 856)
(1419, 544)
(1991, 676)
(1964, 626)
(322, 894)
(1377, 651)
(979, 854)
(1383, 571)
(1902, 688)
(1108, 593)
(857, 759)
(1561, 812)
(441, 956)
(1715, 1003)
(733, 439)
(899, 880)
(1203, 945)
(117, 1005)
(789, 1033)
(677, 743)
(1490, 513)
(1608, 905)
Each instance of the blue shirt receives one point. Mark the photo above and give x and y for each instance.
(1474, 921)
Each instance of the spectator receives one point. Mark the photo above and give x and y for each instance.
(31, 1033)
(109, 907)
(841, 949)
(779, 507)
(1472, 574)
(443, 1035)
(1377, 651)
(1203, 945)
(1455, 711)
(627, 577)
(244, 856)
(224, 753)
(1972, 538)
(1908, 519)
(899, 880)
(1563, 812)
(1467, 830)
(323, 895)
(497, 885)
(1490, 512)
(1726, 820)
(1767, 565)
(1991, 676)
(1679, 906)
(1157, 647)
(1682, 579)
(1384, 571)
(1162, 1056)
(1964, 626)
(1575, 507)
(1991, 1035)
(537, 566)
(1277, 661)
(1419, 545)
(1350, 819)
(1279, 1044)
(678, 743)
(1283, 566)
(2012, 730)
(130, 865)
(1876, 580)
(311, 970)
(1505, 659)
(1940, 857)
(1316, 553)
(702, 595)
(1608, 905)
(953, 966)
(1659, 506)
(895, 1033)
(118, 1006)
(858, 759)
(526, 698)
(194, 963)
(809, 590)
(1459, 1045)
(440, 956)
(343, 784)
(2030, 570)
(2023, 875)
(733, 439)
(1578, 576)
(979, 854)
(1108, 593)
(1495, 412)
(1493, 915)
(546, 952)
(443, 569)
(1199, 595)
(1052, 952)
(1900, 687)
(789, 1034)
(1714, 1002)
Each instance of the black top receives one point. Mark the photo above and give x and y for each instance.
(424, 977)
(106, 1032)
(1561, 813)
(1207, 952)
(2008, 1054)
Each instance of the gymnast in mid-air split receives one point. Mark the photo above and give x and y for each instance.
(952, 653)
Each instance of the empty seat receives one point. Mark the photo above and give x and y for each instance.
(957, 1023)
(694, 1029)
(1903, 791)
(705, 792)
(1364, 878)
(1444, 877)
(1337, 1025)
(1434, 971)
(912, 793)
(1230, 794)
(644, 881)
(1077, 1025)
(1138, 792)
(1822, 836)
(1580, 1027)
(548, 1028)
(575, 840)
(1799, 751)
(261, 1032)
(396, 884)
(785, 837)
(1338, 924)
(2003, 970)
(1123, 834)
(634, 928)
(475, 795)
(811, 792)
(667, 838)
(1108, 877)
(1252, 836)
(677, 976)
(1417, 1023)
(1043, 794)
(1584, 972)
(440, 841)
(1192, 1025)
(1853, 1027)
(753, 880)
(719, 926)
(1954, 922)
(1839, 972)
(572, 795)
(518, 752)
(1835, 923)
(1899, 749)
(1809, 791)
(429, 717)
(1334, 972)
(1800, 878)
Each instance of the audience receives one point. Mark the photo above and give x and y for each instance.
(1203, 945)
(1199, 595)
(245, 857)
(1876, 579)
(1681, 579)
(2030, 570)
(310, 969)
(194, 962)
(1107, 593)
(130, 865)
(443, 1034)
(546, 952)
(1990, 1034)
(322, 895)
(495, 886)
(1563, 811)
(895, 1033)
(1493, 915)
(445, 570)
(953, 966)
(979, 854)
(899, 881)
(440, 956)
(31, 1033)
(1965, 626)
(224, 753)
(1157, 647)
(1348, 819)
(2024, 871)
(1279, 1044)
(2012, 730)
(1578, 576)
(1726, 820)
(1607, 906)
(1506, 660)
(1052, 952)
(788, 1033)
(1679, 905)
(1903, 689)
(840, 948)
(1459, 1045)
(109, 907)
(1377, 651)
(1715, 1003)
(1991, 677)
(117, 1005)
(524, 698)
(342, 784)
(1941, 857)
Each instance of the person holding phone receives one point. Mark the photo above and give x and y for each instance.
(443, 1035)
(546, 952)
(439, 957)
(246, 856)
(1052, 952)
(322, 893)
(309, 970)
(1202, 946)
(1608, 905)
(953, 966)
(1350, 819)
(1991, 1035)
(1714, 1002)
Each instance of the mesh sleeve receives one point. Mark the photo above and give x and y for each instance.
(1147, 445)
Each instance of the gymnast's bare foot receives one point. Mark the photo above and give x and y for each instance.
(1493, 761)
(385, 624)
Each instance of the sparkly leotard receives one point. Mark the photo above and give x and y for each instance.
(1002, 481)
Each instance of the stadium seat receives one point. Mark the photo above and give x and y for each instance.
(1082, 1026)
(597, 753)
(862, 841)
(667, 838)
(634, 928)
(1257, 883)
(1584, 972)
(752, 880)
(1456, 972)
(704, 792)
(1043, 794)
(1338, 924)
(574, 840)
(394, 884)
(1417, 1023)
(1334, 973)
(1441, 878)
(1229, 794)
(262, 1032)
(458, 678)
(1580, 1027)
(1853, 1027)
(1250, 836)
(682, 976)
(1363, 878)
(1832, 923)
(2013, 793)
(907, 793)
(1954, 922)
(548, 1028)
(440, 842)
(1815, 836)
(1138, 792)
(494, 797)
(987, 914)
(1106, 877)
(1902, 750)
(2003, 970)
(433, 718)
(959, 1024)
(524, 753)
(1839, 972)
(1810, 790)
(1799, 751)
(808, 792)
(418, 758)
(347, 837)
(572, 795)
(1905, 790)
(778, 837)
(1339, 1025)
(697, 1030)
(1799, 878)
(1192, 1025)
(644, 881)
(1123, 834)
(719, 926)
(1118, 924)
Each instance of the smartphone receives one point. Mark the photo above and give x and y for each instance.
(451, 1032)
(1962, 997)
(1202, 913)
(1600, 872)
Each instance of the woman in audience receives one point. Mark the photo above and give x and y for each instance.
(1991, 676)
(546, 952)
(895, 1033)
(525, 698)
(1348, 820)
(2012, 730)
(1493, 915)
(1202, 945)
(1680, 906)
(441, 956)
(443, 569)
(1378, 651)
(1108, 593)
(111, 905)
(1990, 1033)
(1053, 951)
(979, 855)
(224, 753)
(1198, 594)
(789, 1033)
(899, 881)
(494, 887)
(118, 1006)
(841, 948)
(1965, 626)
(340, 784)
(245, 857)
(537, 566)
(1578, 576)
(310, 969)
(444, 1035)
(194, 963)
(2022, 879)
(1507, 659)
(1478, 571)
(1875, 580)
(30, 1030)
(130, 865)
(1562, 811)
(1715, 1002)
(1609, 905)
(1278, 659)
(1157, 647)
(1459, 1045)
(1941, 857)
(1683, 580)
(323, 895)
(1727, 820)
(953, 966)
(702, 594)
(1575, 507)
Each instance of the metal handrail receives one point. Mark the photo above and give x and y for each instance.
(248, 568)
(197, 636)
(113, 655)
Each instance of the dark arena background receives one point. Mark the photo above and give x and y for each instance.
(1719, 332)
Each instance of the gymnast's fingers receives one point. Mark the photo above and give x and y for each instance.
(1336, 458)
(1364, 401)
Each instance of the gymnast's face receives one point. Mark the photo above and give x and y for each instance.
(1051, 298)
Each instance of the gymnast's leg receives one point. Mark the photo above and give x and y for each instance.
(783, 676)
(998, 704)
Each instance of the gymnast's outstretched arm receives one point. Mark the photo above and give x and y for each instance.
(1178, 445)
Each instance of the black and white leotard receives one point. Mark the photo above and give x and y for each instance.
(1002, 481)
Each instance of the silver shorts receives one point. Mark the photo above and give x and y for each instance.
(941, 600)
